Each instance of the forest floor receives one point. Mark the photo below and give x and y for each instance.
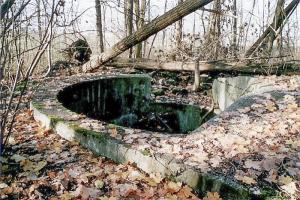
(39, 164)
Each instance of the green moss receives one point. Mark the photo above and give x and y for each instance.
(85, 132)
(268, 193)
(54, 120)
(171, 178)
(37, 105)
(146, 152)
(111, 126)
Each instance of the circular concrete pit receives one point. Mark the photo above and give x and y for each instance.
(110, 103)
(125, 101)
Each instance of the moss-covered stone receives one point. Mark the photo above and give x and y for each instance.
(101, 137)
(54, 120)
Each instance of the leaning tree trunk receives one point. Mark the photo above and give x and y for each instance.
(146, 31)
(278, 17)
(99, 25)
(260, 41)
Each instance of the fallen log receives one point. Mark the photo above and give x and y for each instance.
(146, 31)
(238, 67)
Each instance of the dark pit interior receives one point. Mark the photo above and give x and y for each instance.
(125, 101)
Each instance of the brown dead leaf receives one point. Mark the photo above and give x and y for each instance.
(284, 180)
(31, 166)
(212, 196)
(52, 174)
(292, 106)
(185, 192)
(66, 196)
(99, 184)
(245, 179)
(272, 177)
(271, 106)
(253, 164)
(41, 147)
(149, 193)
(86, 192)
(57, 146)
(127, 190)
(7, 190)
(173, 187)
(114, 132)
(27, 165)
(40, 165)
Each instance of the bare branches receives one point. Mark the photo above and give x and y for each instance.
(5, 7)
(149, 29)
(12, 55)
(273, 28)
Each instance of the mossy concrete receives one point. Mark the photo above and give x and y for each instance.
(72, 126)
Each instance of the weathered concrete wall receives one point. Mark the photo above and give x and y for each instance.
(227, 90)
(108, 99)
(186, 117)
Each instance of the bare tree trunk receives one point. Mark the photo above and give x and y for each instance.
(99, 25)
(234, 27)
(247, 30)
(140, 16)
(129, 22)
(179, 30)
(197, 82)
(278, 17)
(125, 17)
(146, 31)
(215, 30)
(137, 13)
(149, 18)
(38, 7)
(103, 25)
(164, 31)
(260, 41)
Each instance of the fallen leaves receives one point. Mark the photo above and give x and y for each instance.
(99, 184)
(212, 196)
(71, 172)
(284, 180)
(245, 179)
(253, 164)
(173, 187)
(27, 165)
(292, 189)
(257, 140)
